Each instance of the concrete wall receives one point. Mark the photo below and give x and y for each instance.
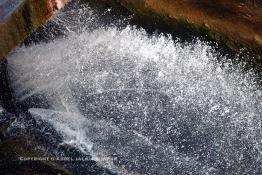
(7, 100)
(19, 18)
(235, 23)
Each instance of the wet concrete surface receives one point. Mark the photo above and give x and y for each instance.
(7, 7)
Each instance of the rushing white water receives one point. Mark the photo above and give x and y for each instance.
(143, 104)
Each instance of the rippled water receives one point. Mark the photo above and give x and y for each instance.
(141, 103)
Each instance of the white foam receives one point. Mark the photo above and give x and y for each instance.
(103, 63)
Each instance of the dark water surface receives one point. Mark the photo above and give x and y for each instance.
(137, 101)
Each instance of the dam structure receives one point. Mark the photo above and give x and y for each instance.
(116, 87)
